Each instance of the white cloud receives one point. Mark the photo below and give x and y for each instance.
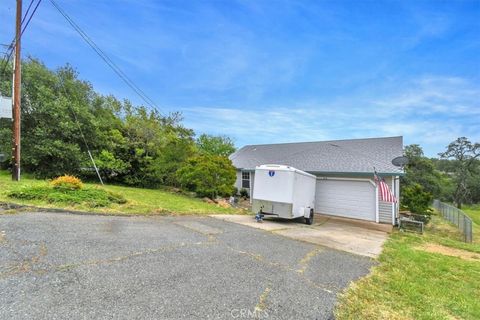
(431, 111)
(434, 95)
(256, 126)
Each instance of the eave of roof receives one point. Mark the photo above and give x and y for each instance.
(330, 173)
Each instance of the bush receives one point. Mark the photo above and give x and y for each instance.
(416, 199)
(67, 182)
(208, 175)
(243, 193)
(91, 197)
(30, 193)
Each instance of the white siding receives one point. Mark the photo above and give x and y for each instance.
(252, 185)
(346, 198)
(238, 182)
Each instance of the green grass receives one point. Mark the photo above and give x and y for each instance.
(409, 283)
(139, 201)
(473, 211)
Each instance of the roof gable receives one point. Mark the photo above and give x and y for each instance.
(336, 156)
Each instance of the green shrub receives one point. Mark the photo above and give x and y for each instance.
(208, 175)
(416, 199)
(30, 193)
(244, 193)
(91, 197)
(67, 182)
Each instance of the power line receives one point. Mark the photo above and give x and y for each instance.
(106, 58)
(28, 10)
(12, 43)
(11, 46)
(31, 16)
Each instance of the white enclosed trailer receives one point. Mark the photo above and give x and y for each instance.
(284, 192)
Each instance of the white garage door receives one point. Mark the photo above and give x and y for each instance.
(346, 198)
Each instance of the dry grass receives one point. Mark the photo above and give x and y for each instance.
(452, 252)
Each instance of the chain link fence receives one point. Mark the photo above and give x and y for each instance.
(457, 217)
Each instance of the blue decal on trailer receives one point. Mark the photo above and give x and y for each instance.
(271, 173)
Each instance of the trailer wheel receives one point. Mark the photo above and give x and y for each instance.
(309, 220)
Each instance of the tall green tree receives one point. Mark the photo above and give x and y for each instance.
(466, 175)
(215, 145)
(61, 114)
(56, 110)
(421, 170)
(157, 147)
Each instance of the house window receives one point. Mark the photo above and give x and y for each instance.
(246, 180)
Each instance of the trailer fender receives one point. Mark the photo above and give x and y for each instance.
(306, 212)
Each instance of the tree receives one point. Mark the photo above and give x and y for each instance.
(109, 165)
(421, 170)
(56, 110)
(157, 147)
(131, 144)
(215, 145)
(208, 175)
(466, 155)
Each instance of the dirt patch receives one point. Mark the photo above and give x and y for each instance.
(208, 200)
(223, 203)
(244, 203)
(452, 252)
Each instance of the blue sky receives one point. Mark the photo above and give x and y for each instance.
(281, 71)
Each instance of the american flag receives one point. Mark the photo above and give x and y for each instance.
(385, 192)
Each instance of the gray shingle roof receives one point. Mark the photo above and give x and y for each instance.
(336, 156)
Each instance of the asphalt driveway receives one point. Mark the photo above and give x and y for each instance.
(66, 266)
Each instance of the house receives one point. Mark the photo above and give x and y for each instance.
(344, 170)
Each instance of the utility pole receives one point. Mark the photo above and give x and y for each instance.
(17, 83)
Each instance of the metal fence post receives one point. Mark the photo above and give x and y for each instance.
(458, 220)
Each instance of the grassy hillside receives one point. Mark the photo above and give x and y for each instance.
(473, 211)
(139, 201)
(429, 276)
